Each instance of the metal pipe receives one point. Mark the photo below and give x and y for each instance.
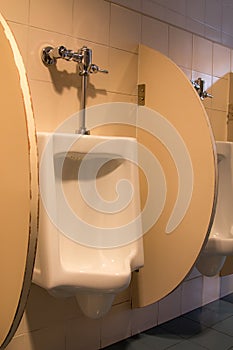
(82, 130)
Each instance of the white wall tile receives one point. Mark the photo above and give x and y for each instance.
(17, 11)
(187, 72)
(52, 107)
(231, 61)
(176, 5)
(115, 97)
(20, 33)
(196, 9)
(195, 27)
(82, 334)
(55, 15)
(227, 14)
(48, 338)
(226, 285)
(123, 296)
(135, 5)
(125, 28)
(227, 39)
(211, 18)
(221, 60)
(180, 47)
(192, 274)
(175, 18)
(202, 55)
(91, 20)
(150, 29)
(164, 3)
(19, 343)
(44, 310)
(213, 12)
(152, 9)
(36, 70)
(211, 289)
(170, 306)
(144, 318)
(123, 71)
(116, 325)
(191, 294)
(213, 34)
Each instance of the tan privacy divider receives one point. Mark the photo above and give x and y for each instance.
(177, 132)
(18, 187)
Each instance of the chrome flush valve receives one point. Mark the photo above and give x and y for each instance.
(50, 55)
(86, 66)
(198, 84)
(83, 57)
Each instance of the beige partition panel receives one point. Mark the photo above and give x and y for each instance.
(228, 265)
(174, 126)
(18, 187)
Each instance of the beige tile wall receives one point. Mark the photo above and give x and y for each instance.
(114, 31)
(211, 19)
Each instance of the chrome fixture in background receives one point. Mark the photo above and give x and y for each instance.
(198, 84)
(83, 57)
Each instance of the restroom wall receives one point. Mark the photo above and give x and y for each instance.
(230, 109)
(199, 44)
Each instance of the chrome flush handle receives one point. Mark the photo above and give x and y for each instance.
(96, 69)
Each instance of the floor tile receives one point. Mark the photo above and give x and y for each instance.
(159, 339)
(135, 344)
(125, 345)
(220, 306)
(183, 327)
(213, 340)
(209, 327)
(225, 326)
(118, 346)
(187, 345)
(228, 298)
(207, 317)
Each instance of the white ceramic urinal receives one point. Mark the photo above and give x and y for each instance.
(220, 241)
(90, 233)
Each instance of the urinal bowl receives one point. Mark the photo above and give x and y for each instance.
(220, 241)
(82, 251)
